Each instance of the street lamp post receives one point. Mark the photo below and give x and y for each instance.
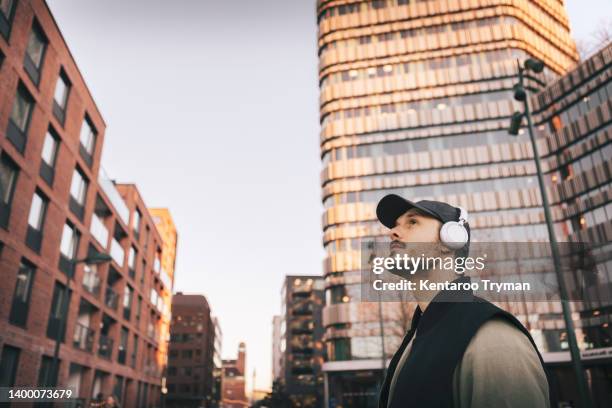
(521, 95)
(95, 258)
(371, 248)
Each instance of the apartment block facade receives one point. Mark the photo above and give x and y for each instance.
(301, 351)
(192, 347)
(573, 117)
(58, 208)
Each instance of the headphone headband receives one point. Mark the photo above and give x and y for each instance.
(463, 215)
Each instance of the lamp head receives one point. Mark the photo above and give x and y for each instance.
(519, 93)
(515, 123)
(534, 65)
(97, 258)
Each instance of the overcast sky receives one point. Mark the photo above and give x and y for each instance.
(212, 110)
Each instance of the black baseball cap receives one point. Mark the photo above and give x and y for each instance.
(392, 206)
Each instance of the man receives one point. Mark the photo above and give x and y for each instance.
(461, 351)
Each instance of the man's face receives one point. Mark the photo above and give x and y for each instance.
(415, 235)
(414, 227)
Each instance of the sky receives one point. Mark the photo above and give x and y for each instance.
(212, 110)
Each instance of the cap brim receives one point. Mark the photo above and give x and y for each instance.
(392, 206)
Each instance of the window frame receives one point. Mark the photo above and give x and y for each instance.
(62, 294)
(65, 262)
(20, 308)
(59, 111)
(15, 133)
(6, 21)
(14, 368)
(47, 170)
(30, 66)
(86, 155)
(34, 234)
(77, 204)
(7, 204)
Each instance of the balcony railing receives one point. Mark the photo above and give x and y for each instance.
(166, 280)
(105, 347)
(117, 252)
(99, 231)
(83, 337)
(113, 195)
(111, 299)
(91, 281)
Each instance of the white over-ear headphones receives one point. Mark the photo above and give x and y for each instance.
(453, 234)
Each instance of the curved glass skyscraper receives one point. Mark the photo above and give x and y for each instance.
(415, 99)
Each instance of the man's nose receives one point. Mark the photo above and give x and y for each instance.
(393, 234)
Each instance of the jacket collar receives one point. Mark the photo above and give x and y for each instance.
(444, 301)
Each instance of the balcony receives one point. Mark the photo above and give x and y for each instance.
(99, 230)
(91, 281)
(117, 252)
(108, 186)
(301, 327)
(302, 309)
(111, 299)
(83, 337)
(105, 347)
(166, 280)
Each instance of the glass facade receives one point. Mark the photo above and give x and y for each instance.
(415, 99)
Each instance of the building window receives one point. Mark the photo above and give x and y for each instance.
(9, 360)
(36, 220)
(23, 106)
(134, 351)
(60, 99)
(22, 294)
(123, 342)
(7, 10)
(88, 141)
(78, 193)
(136, 222)
(127, 302)
(59, 307)
(49, 157)
(8, 178)
(47, 375)
(68, 248)
(132, 261)
(138, 307)
(35, 53)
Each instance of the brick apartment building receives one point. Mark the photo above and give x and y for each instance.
(233, 385)
(56, 207)
(191, 358)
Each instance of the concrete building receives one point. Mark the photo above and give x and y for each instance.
(57, 207)
(191, 357)
(414, 100)
(301, 340)
(233, 383)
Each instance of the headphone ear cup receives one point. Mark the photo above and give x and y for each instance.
(453, 235)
